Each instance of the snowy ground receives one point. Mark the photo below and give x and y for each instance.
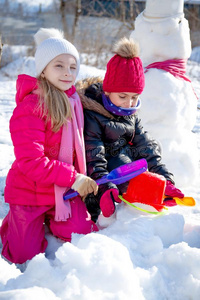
(138, 256)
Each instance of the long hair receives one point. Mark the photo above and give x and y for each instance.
(54, 104)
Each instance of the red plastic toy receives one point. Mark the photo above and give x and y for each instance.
(147, 188)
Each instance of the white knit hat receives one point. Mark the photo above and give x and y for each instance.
(51, 43)
(163, 8)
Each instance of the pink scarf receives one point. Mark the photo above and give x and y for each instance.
(72, 140)
(177, 67)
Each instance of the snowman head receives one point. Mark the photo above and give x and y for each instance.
(162, 31)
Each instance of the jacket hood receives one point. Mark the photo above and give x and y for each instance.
(93, 102)
(25, 85)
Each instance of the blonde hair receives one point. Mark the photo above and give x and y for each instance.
(53, 104)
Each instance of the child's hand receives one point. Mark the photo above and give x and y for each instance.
(84, 185)
(107, 200)
(172, 191)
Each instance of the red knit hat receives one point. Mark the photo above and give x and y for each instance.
(124, 70)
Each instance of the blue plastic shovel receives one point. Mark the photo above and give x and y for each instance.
(119, 175)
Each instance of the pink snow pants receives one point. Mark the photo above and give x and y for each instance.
(23, 233)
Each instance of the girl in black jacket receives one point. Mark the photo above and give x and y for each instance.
(113, 132)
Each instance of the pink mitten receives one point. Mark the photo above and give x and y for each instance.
(107, 202)
(172, 191)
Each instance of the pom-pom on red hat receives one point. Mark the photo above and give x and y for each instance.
(124, 70)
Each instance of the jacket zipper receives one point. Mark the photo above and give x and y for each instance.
(131, 141)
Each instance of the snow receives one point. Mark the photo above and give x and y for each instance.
(29, 7)
(195, 56)
(134, 256)
(138, 256)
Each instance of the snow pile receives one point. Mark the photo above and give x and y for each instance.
(11, 53)
(135, 255)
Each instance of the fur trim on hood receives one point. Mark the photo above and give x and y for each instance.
(89, 103)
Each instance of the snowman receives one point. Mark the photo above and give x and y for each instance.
(169, 103)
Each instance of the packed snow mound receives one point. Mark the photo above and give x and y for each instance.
(12, 52)
(22, 65)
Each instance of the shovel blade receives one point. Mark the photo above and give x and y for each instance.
(127, 169)
(186, 201)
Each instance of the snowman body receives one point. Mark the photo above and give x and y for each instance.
(169, 104)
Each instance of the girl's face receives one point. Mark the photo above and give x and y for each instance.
(124, 100)
(61, 71)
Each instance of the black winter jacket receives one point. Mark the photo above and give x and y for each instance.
(112, 141)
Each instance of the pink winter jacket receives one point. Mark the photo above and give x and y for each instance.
(36, 169)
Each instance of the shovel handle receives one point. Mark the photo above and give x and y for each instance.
(70, 194)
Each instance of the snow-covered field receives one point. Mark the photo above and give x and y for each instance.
(138, 256)
(134, 256)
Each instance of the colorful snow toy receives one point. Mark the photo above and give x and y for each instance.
(146, 193)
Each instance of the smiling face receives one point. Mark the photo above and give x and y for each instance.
(124, 100)
(61, 71)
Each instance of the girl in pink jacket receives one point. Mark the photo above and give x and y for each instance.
(47, 133)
